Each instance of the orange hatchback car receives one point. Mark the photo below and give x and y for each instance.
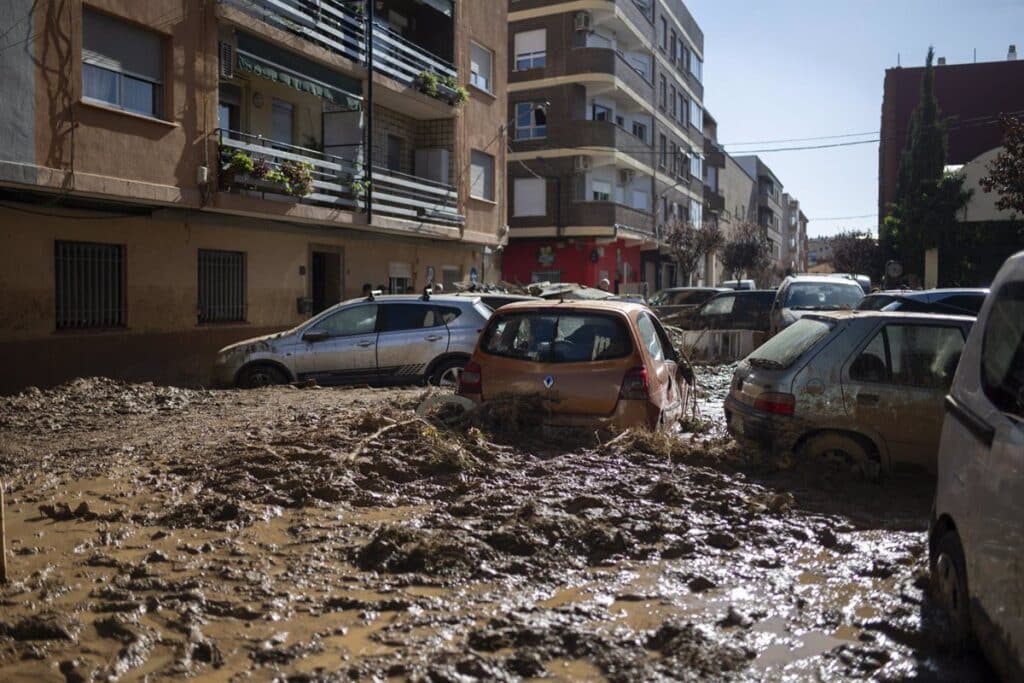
(596, 364)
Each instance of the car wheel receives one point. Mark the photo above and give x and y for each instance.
(949, 586)
(844, 449)
(256, 376)
(447, 374)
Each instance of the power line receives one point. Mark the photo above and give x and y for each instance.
(845, 218)
(820, 137)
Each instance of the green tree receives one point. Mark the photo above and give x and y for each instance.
(927, 199)
(1006, 172)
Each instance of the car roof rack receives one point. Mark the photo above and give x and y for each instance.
(374, 293)
(427, 291)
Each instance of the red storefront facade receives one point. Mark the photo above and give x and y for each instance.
(584, 261)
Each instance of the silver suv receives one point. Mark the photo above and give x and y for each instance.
(799, 295)
(402, 339)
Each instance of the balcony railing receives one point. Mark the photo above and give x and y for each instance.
(332, 174)
(333, 25)
(413, 198)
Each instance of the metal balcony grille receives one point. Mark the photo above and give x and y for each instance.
(221, 286)
(90, 285)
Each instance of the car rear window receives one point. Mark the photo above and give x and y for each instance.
(823, 296)
(557, 337)
(779, 352)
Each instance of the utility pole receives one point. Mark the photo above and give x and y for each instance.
(3, 537)
(369, 108)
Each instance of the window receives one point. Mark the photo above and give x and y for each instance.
(480, 67)
(662, 91)
(697, 68)
(531, 121)
(282, 121)
(394, 153)
(400, 317)
(546, 276)
(696, 114)
(641, 200)
(697, 166)
(449, 276)
(696, 213)
(662, 150)
(779, 352)
(721, 305)
(663, 33)
(911, 355)
(672, 102)
(649, 336)
(221, 286)
(361, 319)
(672, 46)
(684, 106)
(531, 49)
(481, 175)
(674, 163)
(530, 196)
(90, 285)
(640, 130)
(599, 112)
(620, 121)
(566, 338)
(122, 65)
(229, 111)
(600, 191)
(1002, 351)
(686, 58)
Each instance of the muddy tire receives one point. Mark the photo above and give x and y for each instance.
(447, 373)
(949, 588)
(256, 376)
(844, 449)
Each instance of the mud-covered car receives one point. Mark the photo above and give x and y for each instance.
(954, 301)
(399, 339)
(601, 365)
(866, 387)
(976, 536)
(675, 300)
(799, 295)
(734, 310)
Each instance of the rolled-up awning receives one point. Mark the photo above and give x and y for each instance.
(262, 59)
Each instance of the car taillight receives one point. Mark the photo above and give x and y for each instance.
(471, 379)
(635, 385)
(775, 403)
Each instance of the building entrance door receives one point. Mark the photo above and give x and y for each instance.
(325, 280)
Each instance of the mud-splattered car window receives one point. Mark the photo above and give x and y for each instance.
(1002, 354)
(923, 355)
(350, 321)
(649, 336)
(823, 296)
(448, 314)
(557, 339)
(779, 352)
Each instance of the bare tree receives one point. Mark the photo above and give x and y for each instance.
(690, 244)
(746, 251)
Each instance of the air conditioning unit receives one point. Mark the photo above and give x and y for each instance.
(583, 21)
(581, 162)
(626, 176)
(226, 54)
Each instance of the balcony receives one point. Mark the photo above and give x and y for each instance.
(412, 198)
(586, 60)
(331, 176)
(713, 199)
(713, 154)
(610, 214)
(336, 27)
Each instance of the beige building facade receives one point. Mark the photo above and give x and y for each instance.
(179, 176)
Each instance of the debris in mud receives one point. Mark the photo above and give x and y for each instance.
(406, 549)
(42, 626)
(62, 512)
(687, 648)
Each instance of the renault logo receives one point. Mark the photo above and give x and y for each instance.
(548, 381)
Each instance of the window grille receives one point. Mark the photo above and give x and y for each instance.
(90, 285)
(221, 286)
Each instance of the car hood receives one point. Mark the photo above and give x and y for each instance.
(264, 343)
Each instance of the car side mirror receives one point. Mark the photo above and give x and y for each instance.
(314, 336)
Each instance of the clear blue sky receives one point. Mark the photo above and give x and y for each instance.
(803, 68)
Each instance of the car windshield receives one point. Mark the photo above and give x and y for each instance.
(876, 302)
(779, 352)
(823, 296)
(557, 337)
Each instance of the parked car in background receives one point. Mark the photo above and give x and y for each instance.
(848, 384)
(677, 299)
(953, 301)
(976, 536)
(600, 365)
(739, 310)
(738, 284)
(863, 280)
(799, 295)
(398, 339)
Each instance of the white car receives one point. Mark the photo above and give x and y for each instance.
(976, 539)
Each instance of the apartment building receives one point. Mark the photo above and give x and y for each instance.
(175, 176)
(794, 245)
(769, 213)
(606, 105)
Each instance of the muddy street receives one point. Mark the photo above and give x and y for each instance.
(327, 534)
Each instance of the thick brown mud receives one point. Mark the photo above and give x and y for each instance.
(321, 534)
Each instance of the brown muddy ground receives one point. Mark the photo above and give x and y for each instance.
(322, 534)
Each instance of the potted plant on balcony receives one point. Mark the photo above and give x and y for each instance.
(298, 177)
(441, 87)
(358, 184)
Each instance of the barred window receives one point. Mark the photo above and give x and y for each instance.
(221, 286)
(90, 285)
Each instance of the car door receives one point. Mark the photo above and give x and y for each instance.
(895, 383)
(340, 348)
(994, 458)
(412, 334)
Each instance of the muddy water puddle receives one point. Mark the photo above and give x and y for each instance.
(332, 535)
